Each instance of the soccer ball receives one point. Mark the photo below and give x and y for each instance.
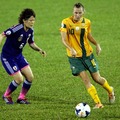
(82, 110)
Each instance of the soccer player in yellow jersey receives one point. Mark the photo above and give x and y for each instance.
(76, 37)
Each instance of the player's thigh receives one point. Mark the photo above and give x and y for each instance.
(97, 78)
(27, 72)
(85, 78)
(25, 68)
(17, 77)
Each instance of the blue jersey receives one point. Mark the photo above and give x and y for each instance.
(16, 39)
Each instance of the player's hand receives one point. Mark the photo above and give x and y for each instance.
(73, 52)
(98, 49)
(43, 53)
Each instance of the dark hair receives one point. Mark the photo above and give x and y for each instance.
(78, 5)
(26, 14)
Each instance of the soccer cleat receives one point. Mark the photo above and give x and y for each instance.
(22, 101)
(112, 96)
(98, 105)
(7, 99)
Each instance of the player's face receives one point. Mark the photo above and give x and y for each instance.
(78, 13)
(29, 22)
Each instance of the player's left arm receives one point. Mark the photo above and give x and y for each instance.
(93, 41)
(36, 48)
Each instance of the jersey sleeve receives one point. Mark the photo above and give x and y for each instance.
(89, 27)
(12, 30)
(63, 27)
(8, 32)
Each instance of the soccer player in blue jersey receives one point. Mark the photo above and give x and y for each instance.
(12, 58)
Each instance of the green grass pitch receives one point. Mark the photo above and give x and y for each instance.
(55, 92)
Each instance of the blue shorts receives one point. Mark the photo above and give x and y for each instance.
(13, 65)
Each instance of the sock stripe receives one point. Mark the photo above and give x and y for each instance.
(27, 82)
(14, 83)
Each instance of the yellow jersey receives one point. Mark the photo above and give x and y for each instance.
(77, 33)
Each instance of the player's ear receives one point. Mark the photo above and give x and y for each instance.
(24, 20)
(83, 10)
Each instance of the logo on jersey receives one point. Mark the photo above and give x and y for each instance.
(63, 25)
(8, 32)
(15, 68)
(77, 28)
(83, 24)
(20, 38)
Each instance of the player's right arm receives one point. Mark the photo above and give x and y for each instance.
(64, 40)
(1, 37)
(66, 44)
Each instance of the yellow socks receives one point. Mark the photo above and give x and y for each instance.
(93, 93)
(107, 87)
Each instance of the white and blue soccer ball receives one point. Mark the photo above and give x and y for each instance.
(82, 110)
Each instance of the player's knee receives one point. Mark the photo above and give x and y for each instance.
(30, 78)
(19, 80)
(97, 79)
